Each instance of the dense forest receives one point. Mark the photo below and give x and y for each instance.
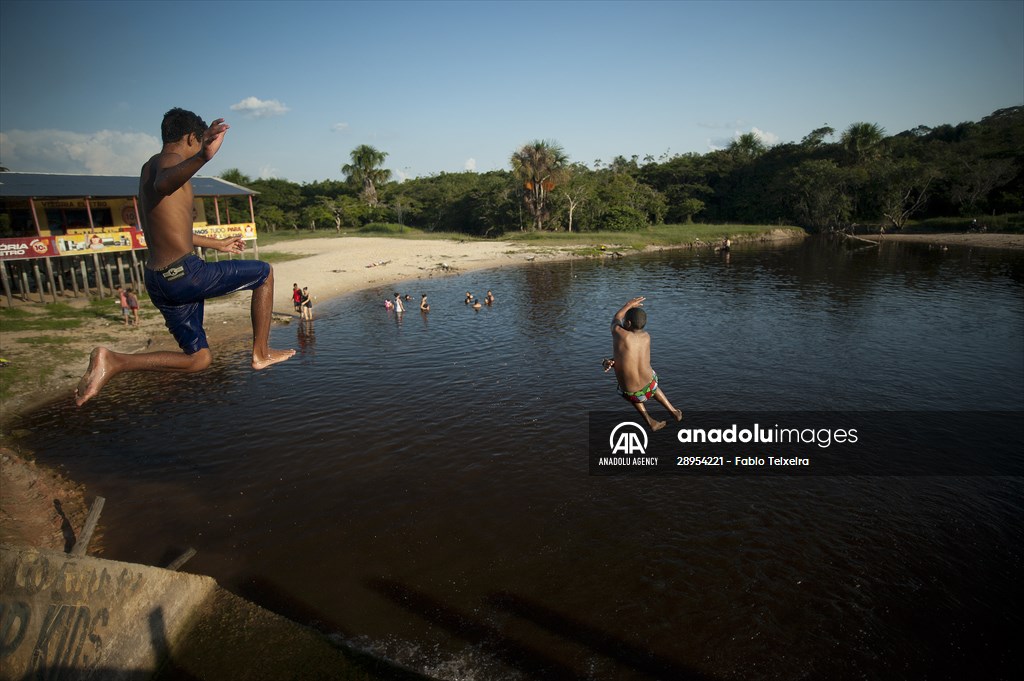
(829, 180)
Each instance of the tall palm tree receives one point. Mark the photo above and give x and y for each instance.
(747, 147)
(366, 171)
(541, 166)
(862, 140)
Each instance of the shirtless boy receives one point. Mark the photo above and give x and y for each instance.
(631, 359)
(178, 281)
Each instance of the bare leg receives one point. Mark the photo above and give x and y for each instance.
(260, 310)
(104, 364)
(652, 424)
(663, 398)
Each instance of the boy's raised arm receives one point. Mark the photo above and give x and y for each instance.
(617, 319)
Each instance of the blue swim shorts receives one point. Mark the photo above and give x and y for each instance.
(179, 290)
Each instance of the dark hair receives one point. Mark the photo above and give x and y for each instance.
(178, 123)
(636, 317)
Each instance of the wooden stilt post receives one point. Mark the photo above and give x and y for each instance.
(24, 285)
(99, 275)
(39, 280)
(74, 276)
(82, 545)
(6, 283)
(49, 276)
(85, 278)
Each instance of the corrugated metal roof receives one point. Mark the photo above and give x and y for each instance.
(46, 185)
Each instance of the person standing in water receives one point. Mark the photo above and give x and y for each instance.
(178, 281)
(637, 382)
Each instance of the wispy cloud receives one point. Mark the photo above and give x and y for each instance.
(254, 107)
(107, 152)
(471, 164)
(339, 127)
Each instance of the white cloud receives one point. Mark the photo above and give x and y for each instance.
(107, 152)
(268, 172)
(471, 165)
(339, 127)
(260, 108)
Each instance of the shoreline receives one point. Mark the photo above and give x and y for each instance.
(330, 266)
(983, 240)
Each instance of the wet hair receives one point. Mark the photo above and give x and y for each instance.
(636, 317)
(179, 123)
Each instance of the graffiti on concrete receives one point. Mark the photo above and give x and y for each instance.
(60, 609)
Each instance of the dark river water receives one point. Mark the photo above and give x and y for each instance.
(418, 486)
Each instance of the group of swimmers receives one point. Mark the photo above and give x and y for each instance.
(399, 306)
(476, 304)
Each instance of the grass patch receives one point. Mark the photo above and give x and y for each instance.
(659, 235)
(1012, 223)
(57, 316)
(274, 257)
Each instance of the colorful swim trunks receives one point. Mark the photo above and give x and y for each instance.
(643, 394)
(179, 290)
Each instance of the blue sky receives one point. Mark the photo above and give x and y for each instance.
(451, 86)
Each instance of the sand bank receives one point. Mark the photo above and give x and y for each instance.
(1010, 241)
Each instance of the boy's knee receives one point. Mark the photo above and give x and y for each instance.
(200, 360)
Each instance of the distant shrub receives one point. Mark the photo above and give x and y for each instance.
(623, 219)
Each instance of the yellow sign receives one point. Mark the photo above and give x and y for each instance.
(246, 230)
(95, 242)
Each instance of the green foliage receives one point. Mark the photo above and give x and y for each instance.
(623, 219)
(971, 169)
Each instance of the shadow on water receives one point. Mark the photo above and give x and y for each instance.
(474, 630)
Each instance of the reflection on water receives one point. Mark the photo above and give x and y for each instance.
(418, 483)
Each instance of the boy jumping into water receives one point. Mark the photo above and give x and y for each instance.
(178, 281)
(631, 358)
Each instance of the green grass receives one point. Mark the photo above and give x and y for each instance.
(660, 235)
(280, 256)
(1012, 223)
(57, 316)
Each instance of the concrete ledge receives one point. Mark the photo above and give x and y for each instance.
(67, 617)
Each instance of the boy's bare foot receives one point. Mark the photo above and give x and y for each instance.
(657, 425)
(678, 413)
(95, 377)
(272, 357)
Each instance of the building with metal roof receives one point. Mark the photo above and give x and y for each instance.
(52, 186)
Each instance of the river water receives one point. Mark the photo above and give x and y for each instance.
(418, 485)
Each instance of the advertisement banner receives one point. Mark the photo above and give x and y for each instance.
(27, 247)
(107, 241)
(246, 230)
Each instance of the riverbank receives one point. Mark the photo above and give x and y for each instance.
(986, 240)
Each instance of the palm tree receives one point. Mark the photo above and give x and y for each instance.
(366, 172)
(862, 140)
(540, 166)
(747, 147)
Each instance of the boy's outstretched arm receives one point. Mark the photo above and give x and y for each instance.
(617, 319)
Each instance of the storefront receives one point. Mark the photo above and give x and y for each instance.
(66, 234)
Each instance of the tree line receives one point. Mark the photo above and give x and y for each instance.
(827, 181)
